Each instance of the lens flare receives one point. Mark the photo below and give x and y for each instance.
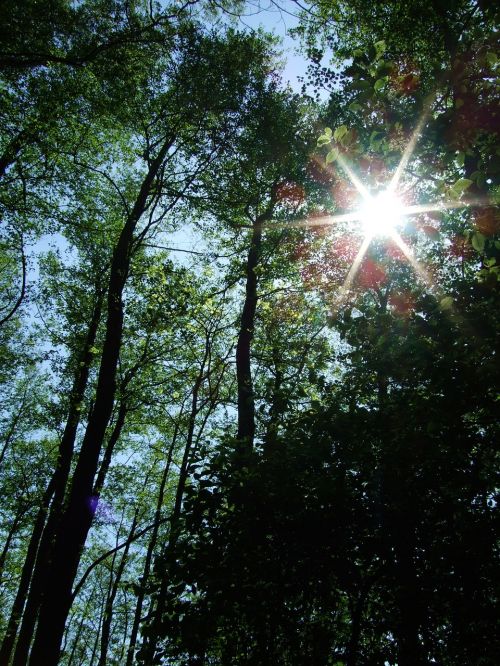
(381, 215)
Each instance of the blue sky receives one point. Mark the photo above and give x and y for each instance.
(264, 14)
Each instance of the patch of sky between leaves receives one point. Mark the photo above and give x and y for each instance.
(277, 19)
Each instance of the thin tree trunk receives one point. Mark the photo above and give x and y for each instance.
(12, 150)
(246, 399)
(108, 610)
(78, 515)
(167, 557)
(58, 483)
(246, 402)
(76, 641)
(97, 633)
(108, 453)
(22, 590)
(150, 551)
(125, 628)
(277, 404)
(13, 425)
(410, 648)
(22, 292)
(10, 536)
(356, 623)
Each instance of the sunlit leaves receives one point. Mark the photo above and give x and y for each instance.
(340, 132)
(332, 155)
(460, 187)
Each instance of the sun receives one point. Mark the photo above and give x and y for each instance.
(381, 214)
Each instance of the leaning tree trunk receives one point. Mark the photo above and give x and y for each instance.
(37, 554)
(11, 431)
(13, 149)
(24, 581)
(10, 535)
(79, 511)
(110, 600)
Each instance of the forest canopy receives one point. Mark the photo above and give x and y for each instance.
(249, 333)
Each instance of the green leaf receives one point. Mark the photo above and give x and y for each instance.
(446, 303)
(380, 83)
(384, 67)
(478, 241)
(361, 84)
(326, 137)
(481, 180)
(461, 185)
(332, 155)
(348, 138)
(376, 139)
(491, 58)
(380, 48)
(339, 132)
(354, 106)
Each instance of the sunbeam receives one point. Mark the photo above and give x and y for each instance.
(381, 213)
(353, 270)
(417, 267)
(408, 151)
(354, 179)
(445, 205)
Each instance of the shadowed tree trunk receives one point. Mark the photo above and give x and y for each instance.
(246, 403)
(246, 400)
(24, 581)
(78, 515)
(11, 431)
(38, 552)
(150, 550)
(166, 558)
(12, 150)
(108, 609)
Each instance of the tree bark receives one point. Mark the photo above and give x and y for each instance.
(24, 582)
(43, 540)
(167, 557)
(108, 609)
(110, 447)
(149, 553)
(79, 512)
(12, 150)
(246, 399)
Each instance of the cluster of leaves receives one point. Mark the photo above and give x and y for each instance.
(353, 519)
